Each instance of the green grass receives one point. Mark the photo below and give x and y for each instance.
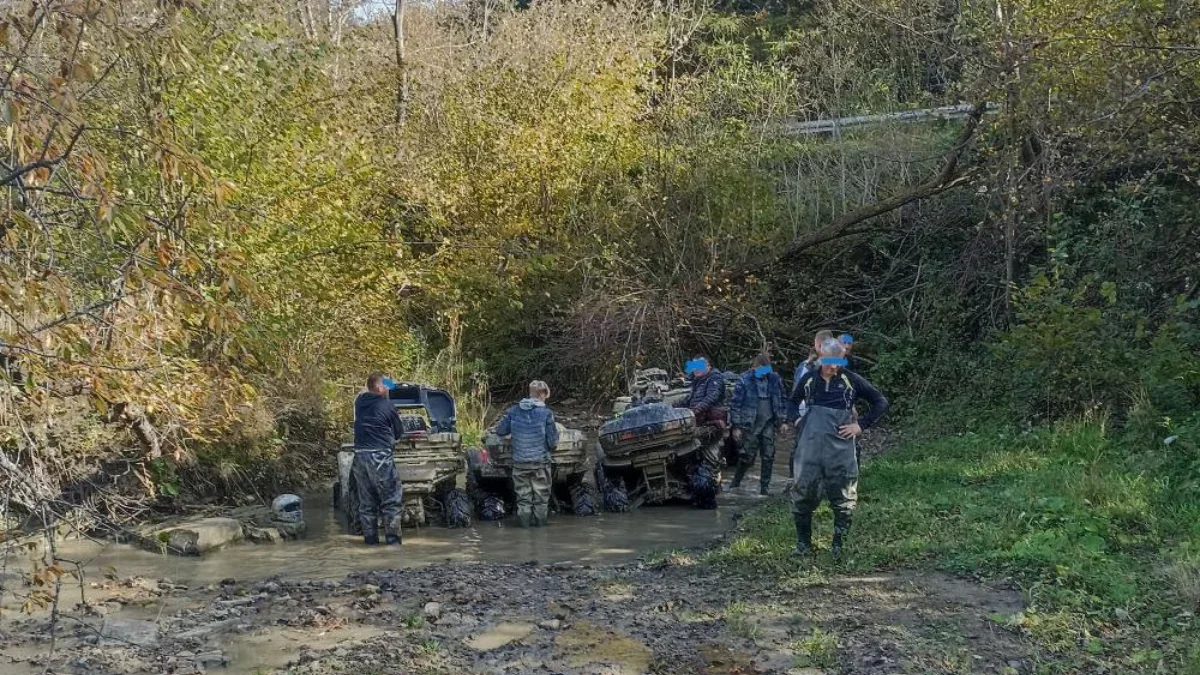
(1101, 536)
(741, 622)
(817, 649)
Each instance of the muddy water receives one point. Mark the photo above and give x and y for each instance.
(327, 552)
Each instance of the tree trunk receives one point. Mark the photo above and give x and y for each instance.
(401, 71)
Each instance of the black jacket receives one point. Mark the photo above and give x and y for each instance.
(376, 422)
(841, 392)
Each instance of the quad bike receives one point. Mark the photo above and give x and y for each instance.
(489, 476)
(653, 385)
(650, 454)
(429, 460)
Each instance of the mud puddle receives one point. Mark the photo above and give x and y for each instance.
(327, 552)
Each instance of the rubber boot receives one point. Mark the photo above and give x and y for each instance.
(803, 533)
(371, 538)
(739, 474)
(764, 481)
(841, 528)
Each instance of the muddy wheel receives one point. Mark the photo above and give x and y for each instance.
(583, 498)
(615, 496)
(491, 507)
(704, 487)
(350, 507)
(412, 514)
(456, 508)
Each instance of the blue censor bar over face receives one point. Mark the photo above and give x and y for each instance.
(832, 361)
(762, 371)
(695, 366)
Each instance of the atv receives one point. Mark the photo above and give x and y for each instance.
(489, 476)
(655, 385)
(429, 460)
(650, 454)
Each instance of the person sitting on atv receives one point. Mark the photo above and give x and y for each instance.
(712, 420)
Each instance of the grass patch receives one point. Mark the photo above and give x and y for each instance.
(741, 622)
(1185, 579)
(1098, 534)
(818, 649)
(431, 646)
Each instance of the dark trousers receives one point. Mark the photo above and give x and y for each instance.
(380, 493)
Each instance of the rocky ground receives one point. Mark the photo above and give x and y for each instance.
(677, 615)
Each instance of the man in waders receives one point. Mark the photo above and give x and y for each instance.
(825, 460)
(376, 426)
(534, 437)
(758, 414)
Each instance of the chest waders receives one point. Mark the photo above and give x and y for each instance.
(531, 483)
(825, 466)
(379, 493)
(758, 439)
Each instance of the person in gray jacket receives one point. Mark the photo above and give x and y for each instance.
(534, 436)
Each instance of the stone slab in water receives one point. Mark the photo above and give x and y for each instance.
(201, 536)
(128, 632)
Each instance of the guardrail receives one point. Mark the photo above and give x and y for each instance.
(835, 125)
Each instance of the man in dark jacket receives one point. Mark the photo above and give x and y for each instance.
(376, 426)
(534, 436)
(708, 388)
(826, 448)
(758, 413)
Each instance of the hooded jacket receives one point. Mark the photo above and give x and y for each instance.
(842, 391)
(534, 433)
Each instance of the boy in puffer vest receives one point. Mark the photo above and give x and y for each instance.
(534, 436)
